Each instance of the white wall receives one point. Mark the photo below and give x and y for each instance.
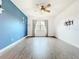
(50, 24)
(69, 34)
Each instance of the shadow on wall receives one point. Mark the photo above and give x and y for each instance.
(13, 24)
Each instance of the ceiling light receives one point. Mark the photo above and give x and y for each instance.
(44, 7)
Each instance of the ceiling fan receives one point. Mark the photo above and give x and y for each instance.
(45, 8)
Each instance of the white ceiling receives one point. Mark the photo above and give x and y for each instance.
(29, 6)
(62, 5)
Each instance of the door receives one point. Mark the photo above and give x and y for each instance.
(40, 27)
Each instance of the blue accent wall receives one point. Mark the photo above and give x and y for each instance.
(13, 24)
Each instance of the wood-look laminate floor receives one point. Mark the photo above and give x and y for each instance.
(42, 48)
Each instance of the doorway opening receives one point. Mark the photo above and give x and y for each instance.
(40, 28)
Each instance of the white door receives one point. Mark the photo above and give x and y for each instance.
(40, 28)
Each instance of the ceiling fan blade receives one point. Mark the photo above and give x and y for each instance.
(47, 10)
(48, 5)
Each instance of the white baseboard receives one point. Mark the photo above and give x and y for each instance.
(6, 49)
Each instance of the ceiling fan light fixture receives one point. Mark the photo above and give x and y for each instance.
(44, 8)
